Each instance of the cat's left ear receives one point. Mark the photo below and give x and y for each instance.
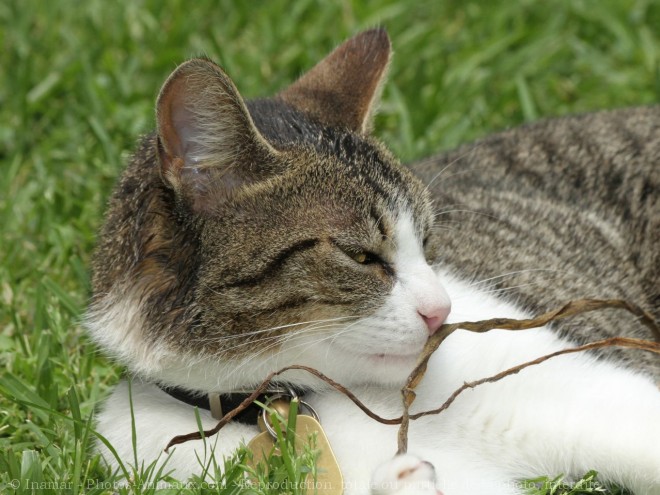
(343, 89)
(208, 144)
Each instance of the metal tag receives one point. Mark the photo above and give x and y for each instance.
(329, 480)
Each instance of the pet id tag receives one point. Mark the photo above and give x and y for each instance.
(329, 480)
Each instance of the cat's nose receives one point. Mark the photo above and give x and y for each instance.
(435, 317)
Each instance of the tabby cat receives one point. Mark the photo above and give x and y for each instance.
(247, 236)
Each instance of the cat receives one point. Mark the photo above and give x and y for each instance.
(247, 236)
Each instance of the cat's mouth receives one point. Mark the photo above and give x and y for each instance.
(388, 358)
(405, 357)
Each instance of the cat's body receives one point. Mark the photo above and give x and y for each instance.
(225, 226)
(569, 207)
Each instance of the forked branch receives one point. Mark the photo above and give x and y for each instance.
(571, 309)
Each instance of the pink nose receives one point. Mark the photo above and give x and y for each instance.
(435, 318)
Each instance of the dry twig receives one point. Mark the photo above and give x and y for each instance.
(571, 309)
(197, 435)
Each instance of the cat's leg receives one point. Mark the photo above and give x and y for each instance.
(457, 474)
(404, 475)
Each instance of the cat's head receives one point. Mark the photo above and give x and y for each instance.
(280, 233)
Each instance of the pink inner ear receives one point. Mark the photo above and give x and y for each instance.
(184, 128)
(207, 136)
(177, 125)
(169, 103)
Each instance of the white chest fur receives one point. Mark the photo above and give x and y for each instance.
(567, 415)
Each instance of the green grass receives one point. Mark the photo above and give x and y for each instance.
(589, 484)
(77, 86)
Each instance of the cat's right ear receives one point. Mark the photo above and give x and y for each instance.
(207, 142)
(343, 88)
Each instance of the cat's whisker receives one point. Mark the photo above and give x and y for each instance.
(456, 174)
(306, 345)
(294, 336)
(347, 329)
(474, 212)
(446, 222)
(513, 287)
(332, 339)
(271, 329)
(442, 171)
(502, 290)
(281, 327)
(323, 330)
(338, 334)
(438, 228)
(251, 343)
(512, 273)
(385, 236)
(450, 205)
(279, 340)
(488, 285)
(281, 337)
(452, 163)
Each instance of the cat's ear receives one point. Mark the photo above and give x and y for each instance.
(208, 145)
(343, 89)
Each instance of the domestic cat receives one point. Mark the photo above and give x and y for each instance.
(247, 236)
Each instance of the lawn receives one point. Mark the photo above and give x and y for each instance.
(77, 87)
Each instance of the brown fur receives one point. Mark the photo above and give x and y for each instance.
(223, 224)
(239, 216)
(341, 91)
(577, 199)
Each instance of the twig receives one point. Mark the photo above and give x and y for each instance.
(570, 309)
(408, 393)
(642, 345)
(197, 435)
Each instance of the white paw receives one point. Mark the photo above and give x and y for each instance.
(404, 475)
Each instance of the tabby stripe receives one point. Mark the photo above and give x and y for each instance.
(301, 301)
(379, 222)
(272, 266)
(291, 303)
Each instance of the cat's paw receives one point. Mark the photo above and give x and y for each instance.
(404, 475)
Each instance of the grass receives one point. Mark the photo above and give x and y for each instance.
(77, 87)
(589, 484)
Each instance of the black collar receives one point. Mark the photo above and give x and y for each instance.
(227, 402)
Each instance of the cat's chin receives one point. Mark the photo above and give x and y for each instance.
(384, 368)
(404, 360)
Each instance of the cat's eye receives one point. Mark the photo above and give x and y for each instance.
(365, 258)
(361, 256)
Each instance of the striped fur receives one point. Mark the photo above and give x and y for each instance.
(569, 207)
(238, 217)
(247, 236)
